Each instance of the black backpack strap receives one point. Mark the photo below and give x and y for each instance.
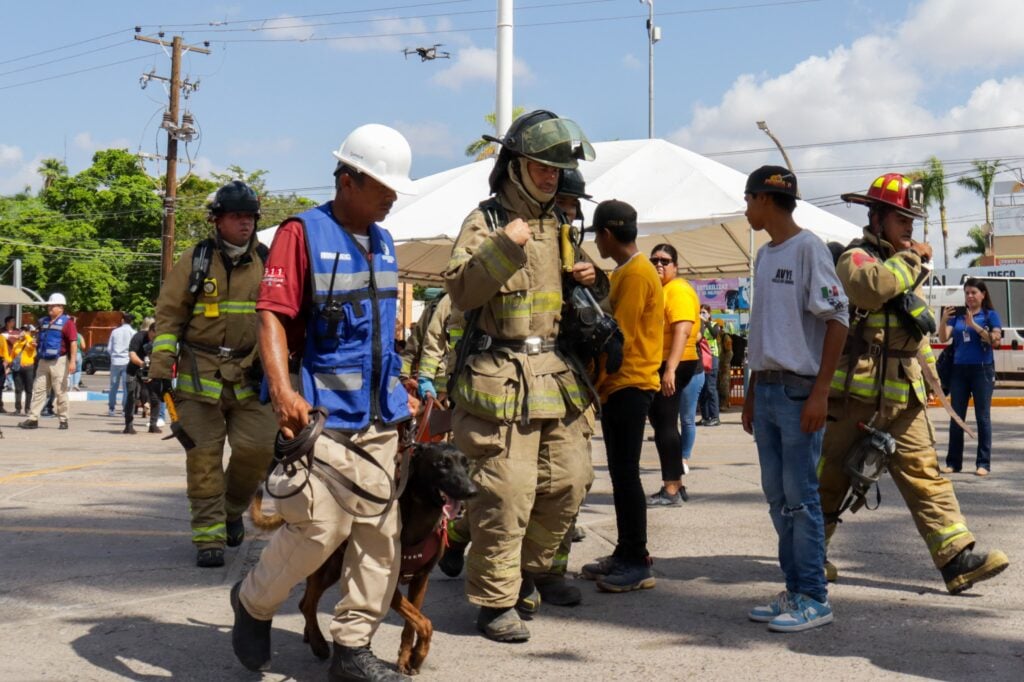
(202, 256)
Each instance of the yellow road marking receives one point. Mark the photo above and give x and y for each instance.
(92, 531)
(57, 470)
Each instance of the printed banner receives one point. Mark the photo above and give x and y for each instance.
(729, 293)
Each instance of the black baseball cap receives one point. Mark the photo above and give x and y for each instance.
(774, 179)
(614, 215)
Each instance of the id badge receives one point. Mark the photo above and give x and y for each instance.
(967, 336)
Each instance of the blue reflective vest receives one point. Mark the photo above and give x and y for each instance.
(50, 333)
(349, 365)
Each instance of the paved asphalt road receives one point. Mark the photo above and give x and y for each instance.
(97, 580)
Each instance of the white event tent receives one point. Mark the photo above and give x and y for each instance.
(681, 198)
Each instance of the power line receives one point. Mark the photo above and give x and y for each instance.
(63, 47)
(63, 59)
(69, 249)
(867, 140)
(72, 73)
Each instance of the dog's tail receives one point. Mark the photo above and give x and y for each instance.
(256, 513)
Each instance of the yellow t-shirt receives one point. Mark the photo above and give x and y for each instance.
(681, 305)
(638, 307)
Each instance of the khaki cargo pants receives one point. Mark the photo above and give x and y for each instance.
(532, 481)
(914, 469)
(316, 525)
(216, 494)
(50, 375)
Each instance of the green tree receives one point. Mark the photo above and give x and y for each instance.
(480, 148)
(933, 180)
(979, 242)
(51, 169)
(982, 186)
(928, 189)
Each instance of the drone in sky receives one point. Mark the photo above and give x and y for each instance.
(427, 54)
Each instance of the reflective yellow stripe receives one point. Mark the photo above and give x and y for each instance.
(544, 401)
(495, 262)
(208, 387)
(244, 392)
(228, 307)
(942, 538)
(897, 391)
(501, 406)
(560, 561)
(541, 535)
(166, 342)
(406, 367)
(441, 382)
(215, 533)
(486, 565)
(928, 353)
(547, 301)
(524, 304)
(428, 366)
(897, 267)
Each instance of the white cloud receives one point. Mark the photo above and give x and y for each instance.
(17, 173)
(630, 61)
(429, 138)
(879, 87)
(381, 34)
(472, 64)
(286, 26)
(87, 143)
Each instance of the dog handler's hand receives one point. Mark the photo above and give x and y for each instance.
(292, 412)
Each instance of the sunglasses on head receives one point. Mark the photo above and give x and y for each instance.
(661, 261)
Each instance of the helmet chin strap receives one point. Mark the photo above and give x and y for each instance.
(522, 176)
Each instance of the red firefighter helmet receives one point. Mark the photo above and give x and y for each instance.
(893, 189)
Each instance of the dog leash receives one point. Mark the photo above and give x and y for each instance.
(289, 452)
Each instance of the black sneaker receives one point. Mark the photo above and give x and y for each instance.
(628, 576)
(236, 532)
(599, 568)
(129, 429)
(28, 424)
(711, 422)
(210, 557)
(453, 560)
(63, 426)
(250, 637)
(155, 429)
(355, 664)
(663, 499)
(968, 568)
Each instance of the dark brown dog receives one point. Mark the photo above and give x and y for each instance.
(436, 468)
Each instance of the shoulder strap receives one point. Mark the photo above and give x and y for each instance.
(494, 213)
(202, 256)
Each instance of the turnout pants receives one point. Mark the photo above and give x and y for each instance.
(914, 469)
(216, 494)
(316, 525)
(532, 481)
(51, 375)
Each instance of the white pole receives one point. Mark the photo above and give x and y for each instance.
(503, 108)
(17, 285)
(651, 39)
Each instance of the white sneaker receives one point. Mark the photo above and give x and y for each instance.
(160, 422)
(686, 468)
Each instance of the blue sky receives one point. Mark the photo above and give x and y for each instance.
(817, 71)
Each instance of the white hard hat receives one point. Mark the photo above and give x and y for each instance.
(380, 152)
(56, 299)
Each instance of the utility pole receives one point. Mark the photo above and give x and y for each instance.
(653, 36)
(176, 129)
(503, 105)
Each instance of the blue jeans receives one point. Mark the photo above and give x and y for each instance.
(978, 381)
(688, 411)
(118, 377)
(789, 462)
(709, 394)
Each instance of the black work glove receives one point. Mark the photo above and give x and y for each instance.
(161, 386)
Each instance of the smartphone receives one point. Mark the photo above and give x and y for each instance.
(960, 311)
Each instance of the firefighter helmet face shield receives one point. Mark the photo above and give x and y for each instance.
(557, 142)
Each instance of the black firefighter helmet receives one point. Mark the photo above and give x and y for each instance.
(543, 137)
(235, 197)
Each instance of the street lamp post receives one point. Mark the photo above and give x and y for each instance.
(762, 126)
(653, 36)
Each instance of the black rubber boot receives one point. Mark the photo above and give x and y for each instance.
(529, 598)
(502, 624)
(356, 664)
(453, 560)
(210, 557)
(236, 532)
(968, 568)
(250, 638)
(555, 589)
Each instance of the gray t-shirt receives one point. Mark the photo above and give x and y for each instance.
(796, 291)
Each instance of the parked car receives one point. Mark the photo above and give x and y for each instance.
(96, 358)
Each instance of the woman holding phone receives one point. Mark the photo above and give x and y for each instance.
(973, 330)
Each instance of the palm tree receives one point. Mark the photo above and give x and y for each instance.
(51, 169)
(480, 148)
(927, 187)
(937, 179)
(982, 186)
(977, 247)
